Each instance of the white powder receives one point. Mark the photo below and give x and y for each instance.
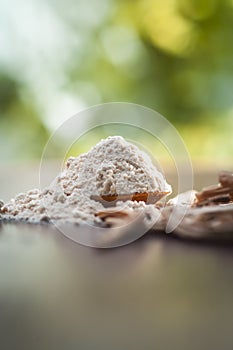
(112, 167)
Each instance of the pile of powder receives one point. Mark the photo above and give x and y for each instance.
(113, 166)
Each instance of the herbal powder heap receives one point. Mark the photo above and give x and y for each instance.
(113, 166)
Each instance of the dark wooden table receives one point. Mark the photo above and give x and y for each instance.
(159, 292)
(156, 293)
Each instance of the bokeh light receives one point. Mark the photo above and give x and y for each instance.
(174, 56)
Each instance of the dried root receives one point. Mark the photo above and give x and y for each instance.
(217, 194)
(212, 212)
(215, 222)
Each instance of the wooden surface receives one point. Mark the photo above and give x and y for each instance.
(159, 292)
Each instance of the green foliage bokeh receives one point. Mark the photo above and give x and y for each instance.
(174, 56)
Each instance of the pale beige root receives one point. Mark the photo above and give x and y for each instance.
(208, 213)
(158, 214)
(207, 222)
(149, 215)
(199, 223)
(123, 226)
(113, 218)
(185, 199)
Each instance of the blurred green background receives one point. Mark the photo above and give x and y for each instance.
(58, 57)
